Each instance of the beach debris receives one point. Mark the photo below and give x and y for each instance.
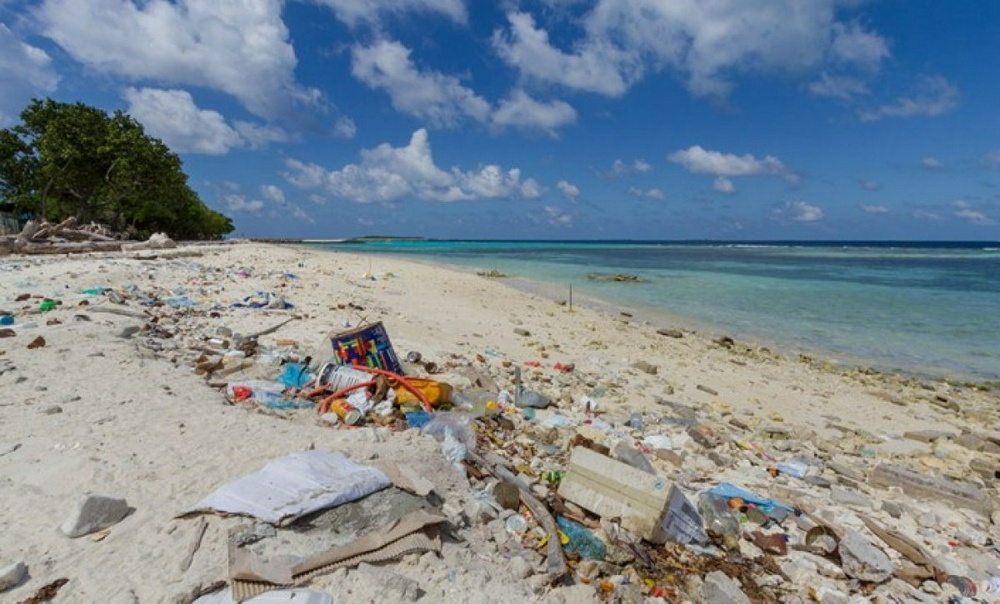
(645, 366)
(671, 333)
(293, 486)
(38, 342)
(12, 575)
(614, 278)
(923, 485)
(613, 489)
(47, 592)
(862, 560)
(94, 513)
(720, 588)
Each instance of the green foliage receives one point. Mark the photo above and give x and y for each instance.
(74, 160)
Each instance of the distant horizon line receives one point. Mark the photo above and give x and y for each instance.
(784, 242)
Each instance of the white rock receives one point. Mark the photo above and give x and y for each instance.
(94, 513)
(720, 588)
(12, 576)
(862, 560)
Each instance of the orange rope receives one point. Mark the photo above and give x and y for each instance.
(340, 393)
(416, 391)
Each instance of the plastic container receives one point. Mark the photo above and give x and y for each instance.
(475, 402)
(633, 457)
(338, 377)
(7, 320)
(581, 540)
(720, 522)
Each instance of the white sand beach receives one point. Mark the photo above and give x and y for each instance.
(110, 405)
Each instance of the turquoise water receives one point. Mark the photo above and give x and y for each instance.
(925, 308)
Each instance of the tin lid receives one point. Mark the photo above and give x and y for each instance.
(352, 417)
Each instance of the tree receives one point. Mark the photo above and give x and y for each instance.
(75, 160)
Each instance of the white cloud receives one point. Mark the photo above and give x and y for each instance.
(797, 211)
(965, 211)
(709, 42)
(240, 48)
(273, 193)
(388, 173)
(935, 96)
(173, 117)
(647, 194)
(568, 189)
(932, 163)
(851, 44)
(257, 135)
(353, 12)
(698, 160)
(345, 128)
(875, 209)
(522, 111)
(440, 99)
(839, 87)
(637, 166)
(926, 215)
(723, 185)
(557, 217)
(239, 203)
(25, 72)
(870, 185)
(597, 65)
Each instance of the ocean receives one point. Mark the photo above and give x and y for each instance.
(930, 309)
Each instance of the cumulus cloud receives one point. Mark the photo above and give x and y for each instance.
(723, 185)
(569, 190)
(273, 193)
(647, 193)
(237, 202)
(239, 48)
(870, 185)
(556, 217)
(852, 44)
(354, 12)
(173, 117)
(25, 72)
(874, 209)
(724, 166)
(596, 66)
(797, 211)
(935, 96)
(637, 166)
(965, 211)
(708, 42)
(345, 128)
(440, 99)
(932, 163)
(522, 111)
(844, 88)
(387, 174)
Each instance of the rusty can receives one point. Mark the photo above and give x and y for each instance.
(345, 411)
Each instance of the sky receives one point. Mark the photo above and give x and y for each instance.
(546, 119)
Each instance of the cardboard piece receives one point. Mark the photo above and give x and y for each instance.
(612, 489)
(295, 485)
(368, 346)
(415, 532)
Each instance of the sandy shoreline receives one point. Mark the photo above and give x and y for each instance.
(104, 407)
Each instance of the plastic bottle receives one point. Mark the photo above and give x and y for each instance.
(475, 402)
(720, 522)
(581, 540)
(633, 457)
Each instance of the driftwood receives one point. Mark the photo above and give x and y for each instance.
(67, 237)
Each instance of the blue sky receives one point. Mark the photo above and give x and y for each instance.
(561, 119)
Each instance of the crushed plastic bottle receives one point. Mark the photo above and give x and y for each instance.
(581, 540)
